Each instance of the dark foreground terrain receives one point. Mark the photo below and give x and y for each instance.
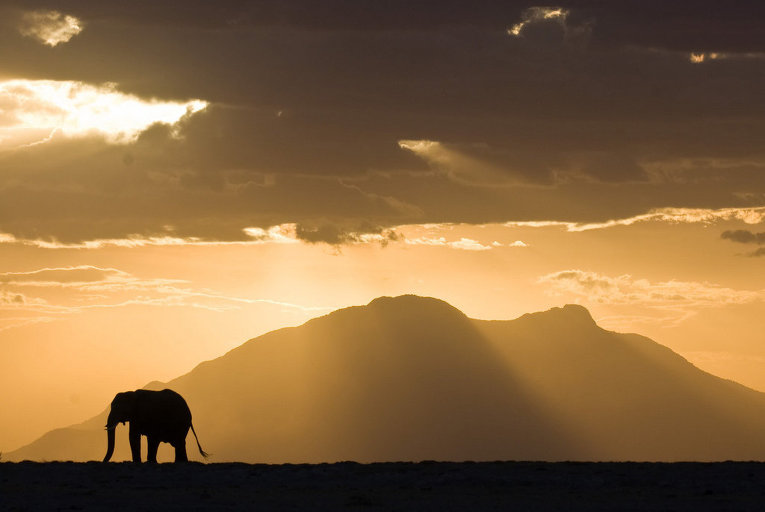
(385, 486)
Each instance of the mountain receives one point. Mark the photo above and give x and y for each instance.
(413, 378)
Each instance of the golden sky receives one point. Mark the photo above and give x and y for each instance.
(178, 177)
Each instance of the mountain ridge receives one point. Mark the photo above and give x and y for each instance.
(413, 378)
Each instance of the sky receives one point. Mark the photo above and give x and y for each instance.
(177, 177)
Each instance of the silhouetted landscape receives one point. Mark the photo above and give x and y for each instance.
(412, 378)
(419, 392)
(537, 486)
(560, 208)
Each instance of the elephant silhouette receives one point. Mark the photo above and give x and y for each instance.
(161, 416)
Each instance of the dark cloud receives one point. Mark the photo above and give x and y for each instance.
(699, 25)
(744, 236)
(705, 25)
(327, 233)
(612, 167)
(598, 117)
(336, 235)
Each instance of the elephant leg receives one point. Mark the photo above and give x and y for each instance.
(151, 456)
(135, 444)
(180, 451)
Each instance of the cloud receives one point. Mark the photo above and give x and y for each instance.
(699, 27)
(468, 244)
(36, 110)
(335, 235)
(280, 234)
(650, 23)
(15, 322)
(476, 164)
(49, 294)
(669, 215)
(283, 234)
(744, 236)
(680, 299)
(465, 244)
(537, 15)
(327, 233)
(8, 298)
(85, 278)
(50, 27)
(406, 113)
(18, 309)
(626, 289)
(77, 275)
(700, 58)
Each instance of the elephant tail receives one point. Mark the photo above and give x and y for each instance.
(201, 451)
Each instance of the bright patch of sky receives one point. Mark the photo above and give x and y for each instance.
(35, 111)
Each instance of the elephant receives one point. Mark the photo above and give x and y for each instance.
(161, 416)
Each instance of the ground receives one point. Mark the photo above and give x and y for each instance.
(385, 486)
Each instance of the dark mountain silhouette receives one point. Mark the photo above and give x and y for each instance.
(413, 378)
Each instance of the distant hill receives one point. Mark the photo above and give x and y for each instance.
(413, 378)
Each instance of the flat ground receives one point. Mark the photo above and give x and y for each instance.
(438, 486)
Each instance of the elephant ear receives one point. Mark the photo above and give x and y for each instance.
(122, 408)
(127, 401)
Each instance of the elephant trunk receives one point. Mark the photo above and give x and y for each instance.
(110, 443)
(111, 427)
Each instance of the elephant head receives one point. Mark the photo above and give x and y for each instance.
(122, 410)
